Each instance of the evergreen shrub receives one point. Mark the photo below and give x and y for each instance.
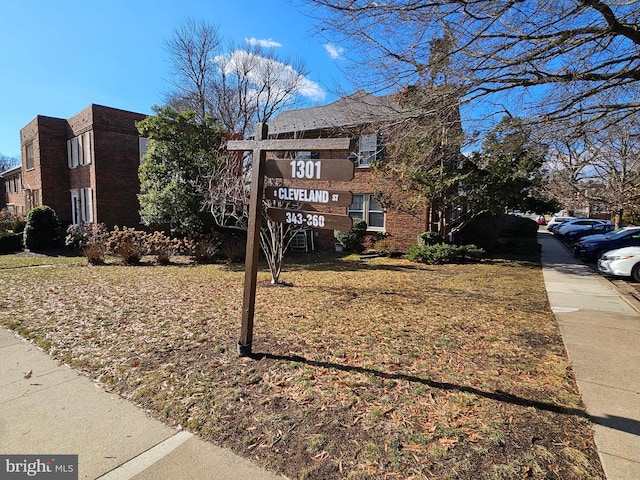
(41, 229)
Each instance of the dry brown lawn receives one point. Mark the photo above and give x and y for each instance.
(362, 369)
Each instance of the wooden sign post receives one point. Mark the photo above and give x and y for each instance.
(293, 169)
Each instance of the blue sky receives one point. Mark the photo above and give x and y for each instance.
(59, 57)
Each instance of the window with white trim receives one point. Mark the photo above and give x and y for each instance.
(366, 207)
(370, 150)
(79, 150)
(81, 206)
(86, 205)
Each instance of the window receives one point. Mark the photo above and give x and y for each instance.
(82, 206)
(29, 155)
(86, 205)
(366, 207)
(370, 150)
(308, 155)
(36, 198)
(143, 147)
(79, 150)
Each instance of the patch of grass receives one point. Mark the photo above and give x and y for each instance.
(9, 261)
(362, 369)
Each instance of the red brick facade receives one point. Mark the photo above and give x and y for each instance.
(84, 167)
(379, 200)
(13, 193)
(400, 227)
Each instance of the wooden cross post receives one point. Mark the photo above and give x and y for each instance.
(253, 241)
(260, 145)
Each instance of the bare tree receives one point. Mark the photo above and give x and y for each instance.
(239, 87)
(598, 166)
(7, 162)
(581, 56)
(253, 84)
(191, 49)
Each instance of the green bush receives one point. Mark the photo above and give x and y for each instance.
(442, 253)
(11, 222)
(429, 238)
(495, 233)
(10, 242)
(18, 225)
(353, 240)
(41, 230)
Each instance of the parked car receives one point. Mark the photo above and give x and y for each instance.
(598, 236)
(578, 224)
(592, 248)
(541, 220)
(557, 221)
(622, 262)
(574, 234)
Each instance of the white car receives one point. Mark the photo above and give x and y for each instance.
(621, 262)
(557, 221)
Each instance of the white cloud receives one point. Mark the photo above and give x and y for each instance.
(259, 70)
(334, 51)
(266, 43)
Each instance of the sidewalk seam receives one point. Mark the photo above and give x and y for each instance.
(147, 458)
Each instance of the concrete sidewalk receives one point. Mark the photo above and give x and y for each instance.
(48, 408)
(601, 332)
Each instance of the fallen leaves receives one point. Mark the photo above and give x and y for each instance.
(381, 368)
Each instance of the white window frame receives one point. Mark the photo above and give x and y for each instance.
(369, 149)
(366, 211)
(75, 208)
(79, 150)
(86, 144)
(86, 205)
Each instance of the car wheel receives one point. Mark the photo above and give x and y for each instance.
(635, 273)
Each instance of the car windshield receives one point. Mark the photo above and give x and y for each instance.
(622, 232)
(608, 235)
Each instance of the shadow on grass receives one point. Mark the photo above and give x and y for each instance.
(498, 395)
(622, 424)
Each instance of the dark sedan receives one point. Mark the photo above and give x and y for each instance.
(600, 228)
(592, 248)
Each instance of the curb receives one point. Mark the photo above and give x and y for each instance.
(630, 295)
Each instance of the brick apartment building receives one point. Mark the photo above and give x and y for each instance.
(84, 167)
(13, 196)
(357, 115)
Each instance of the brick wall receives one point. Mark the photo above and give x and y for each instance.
(112, 175)
(10, 196)
(401, 227)
(117, 158)
(49, 175)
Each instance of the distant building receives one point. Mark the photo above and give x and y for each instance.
(84, 167)
(13, 196)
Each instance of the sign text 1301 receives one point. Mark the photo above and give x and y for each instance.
(305, 169)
